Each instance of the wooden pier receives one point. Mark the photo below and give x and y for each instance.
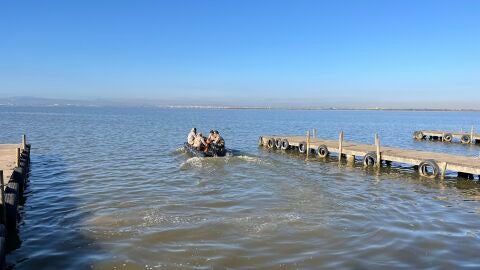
(428, 164)
(448, 136)
(14, 170)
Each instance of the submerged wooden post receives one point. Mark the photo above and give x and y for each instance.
(18, 157)
(340, 146)
(2, 193)
(377, 144)
(308, 143)
(471, 136)
(24, 141)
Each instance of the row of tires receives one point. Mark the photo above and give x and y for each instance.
(447, 137)
(13, 192)
(427, 168)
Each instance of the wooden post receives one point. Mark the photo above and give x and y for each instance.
(18, 157)
(377, 144)
(24, 141)
(471, 136)
(314, 133)
(444, 170)
(2, 193)
(308, 143)
(340, 146)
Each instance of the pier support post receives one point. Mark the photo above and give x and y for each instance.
(377, 145)
(444, 170)
(340, 146)
(18, 157)
(2, 193)
(308, 144)
(471, 136)
(24, 141)
(314, 133)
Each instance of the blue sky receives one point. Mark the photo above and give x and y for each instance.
(358, 52)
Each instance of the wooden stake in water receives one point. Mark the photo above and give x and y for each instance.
(340, 146)
(24, 141)
(444, 170)
(471, 136)
(377, 145)
(308, 143)
(2, 193)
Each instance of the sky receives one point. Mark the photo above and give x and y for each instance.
(353, 53)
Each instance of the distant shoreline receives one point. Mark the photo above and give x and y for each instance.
(202, 107)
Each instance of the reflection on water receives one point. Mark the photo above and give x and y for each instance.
(112, 189)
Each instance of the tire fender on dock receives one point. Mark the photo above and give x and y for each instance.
(302, 147)
(429, 168)
(370, 159)
(322, 151)
(285, 144)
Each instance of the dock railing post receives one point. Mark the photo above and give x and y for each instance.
(308, 143)
(18, 157)
(314, 133)
(2, 193)
(24, 141)
(340, 146)
(471, 136)
(377, 145)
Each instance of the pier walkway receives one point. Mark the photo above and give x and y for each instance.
(429, 164)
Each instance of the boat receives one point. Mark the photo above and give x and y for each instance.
(213, 151)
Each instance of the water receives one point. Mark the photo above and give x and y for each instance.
(112, 189)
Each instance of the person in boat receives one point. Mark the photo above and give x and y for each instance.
(218, 140)
(210, 139)
(191, 136)
(199, 142)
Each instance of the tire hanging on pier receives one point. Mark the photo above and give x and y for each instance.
(11, 212)
(370, 159)
(466, 139)
(418, 135)
(448, 137)
(278, 143)
(322, 151)
(271, 143)
(302, 147)
(285, 144)
(429, 168)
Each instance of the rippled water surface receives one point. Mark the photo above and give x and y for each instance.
(112, 189)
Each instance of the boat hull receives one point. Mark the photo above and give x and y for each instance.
(212, 151)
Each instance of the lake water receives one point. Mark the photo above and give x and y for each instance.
(112, 189)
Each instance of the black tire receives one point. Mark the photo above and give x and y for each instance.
(278, 143)
(429, 168)
(3, 250)
(370, 159)
(418, 135)
(466, 139)
(285, 144)
(322, 151)
(11, 212)
(271, 143)
(448, 137)
(19, 174)
(302, 147)
(14, 187)
(2, 231)
(260, 141)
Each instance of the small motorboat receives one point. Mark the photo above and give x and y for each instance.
(213, 151)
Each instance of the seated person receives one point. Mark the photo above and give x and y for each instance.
(218, 141)
(210, 139)
(199, 142)
(191, 136)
